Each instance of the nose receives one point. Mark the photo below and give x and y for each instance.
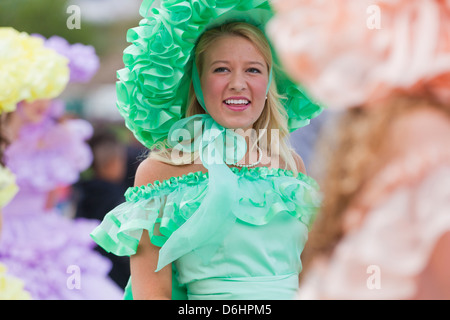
(238, 82)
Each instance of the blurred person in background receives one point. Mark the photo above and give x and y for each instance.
(384, 229)
(105, 189)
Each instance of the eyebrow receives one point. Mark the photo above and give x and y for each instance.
(227, 62)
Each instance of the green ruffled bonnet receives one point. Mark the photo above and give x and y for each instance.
(153, 88)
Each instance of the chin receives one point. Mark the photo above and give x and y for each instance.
(236, 125)
(235, 122)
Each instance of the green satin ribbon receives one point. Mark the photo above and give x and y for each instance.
(217, 147)
(215, 143)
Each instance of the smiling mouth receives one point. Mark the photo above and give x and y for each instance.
(237, 102)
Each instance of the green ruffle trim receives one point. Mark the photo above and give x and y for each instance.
(163, 207)
(153, 87)
(195, 178)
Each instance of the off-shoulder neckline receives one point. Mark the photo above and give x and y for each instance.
(194, 178)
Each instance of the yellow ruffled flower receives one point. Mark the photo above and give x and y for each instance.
(11, 288)
(8, 186)
(28, 70)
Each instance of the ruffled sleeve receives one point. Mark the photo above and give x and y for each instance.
(164, 207)
(159, 208)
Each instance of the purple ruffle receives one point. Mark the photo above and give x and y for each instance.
(52, 254)
(83, 61)
(50, 154)
(45, 250)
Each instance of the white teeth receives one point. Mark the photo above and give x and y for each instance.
(237, 102)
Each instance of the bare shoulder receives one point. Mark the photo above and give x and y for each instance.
(151, 170)
(299, 162)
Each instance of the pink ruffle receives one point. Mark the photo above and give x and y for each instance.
(393, 243)
(392, 229)
(345, 58)
(409, 170)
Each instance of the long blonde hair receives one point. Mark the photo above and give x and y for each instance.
(273, 116)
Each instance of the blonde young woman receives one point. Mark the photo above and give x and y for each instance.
(384, 229)
(215, 213)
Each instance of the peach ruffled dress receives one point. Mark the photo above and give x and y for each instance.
(394, 227)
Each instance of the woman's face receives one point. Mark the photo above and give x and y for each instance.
(35, 111)
(234, 80)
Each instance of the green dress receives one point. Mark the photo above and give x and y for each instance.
(248, 250)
